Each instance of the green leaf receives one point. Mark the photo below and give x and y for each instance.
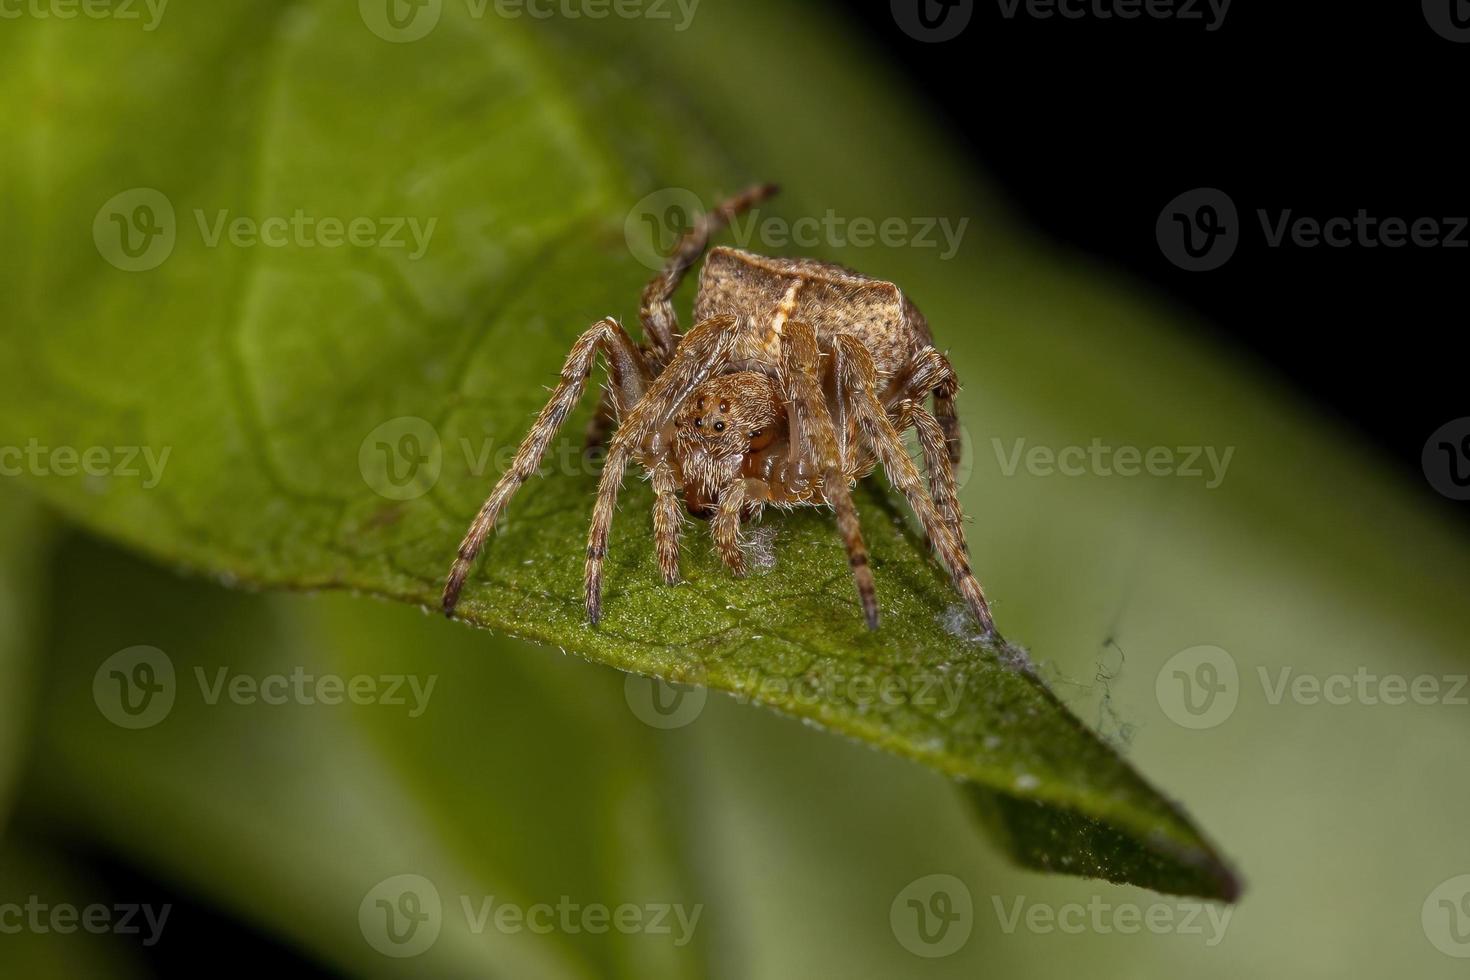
(291, 805)
(273, 388)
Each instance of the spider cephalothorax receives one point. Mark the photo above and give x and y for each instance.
(726, 428)
(795, 381)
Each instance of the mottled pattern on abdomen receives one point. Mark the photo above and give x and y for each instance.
(832, 299)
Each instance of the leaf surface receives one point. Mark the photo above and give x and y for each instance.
(311, 416)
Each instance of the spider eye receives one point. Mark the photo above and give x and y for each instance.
(699, 423)
(755, 433)
(719, 427)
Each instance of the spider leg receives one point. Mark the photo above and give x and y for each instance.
(949, 421)
(801, 362)
(702, 352)
(630, 377)
(610, 406)
(942, 488)
(930, 373)
(725, 528)
(668, 520)
(660, 320)
(878, 432)
(741, 495)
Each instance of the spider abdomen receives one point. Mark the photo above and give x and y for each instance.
(766, 293)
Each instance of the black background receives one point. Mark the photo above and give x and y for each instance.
(1092, 125)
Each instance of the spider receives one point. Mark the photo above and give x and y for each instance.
(795, 382)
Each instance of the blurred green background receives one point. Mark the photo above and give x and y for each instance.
(530, 775)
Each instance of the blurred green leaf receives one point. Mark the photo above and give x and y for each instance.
(259, 780)
(331, 417)
(46, 934)
(22, 558)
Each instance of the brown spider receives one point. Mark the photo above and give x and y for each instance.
(793, 384)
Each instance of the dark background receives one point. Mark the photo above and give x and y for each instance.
(1093, 125)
